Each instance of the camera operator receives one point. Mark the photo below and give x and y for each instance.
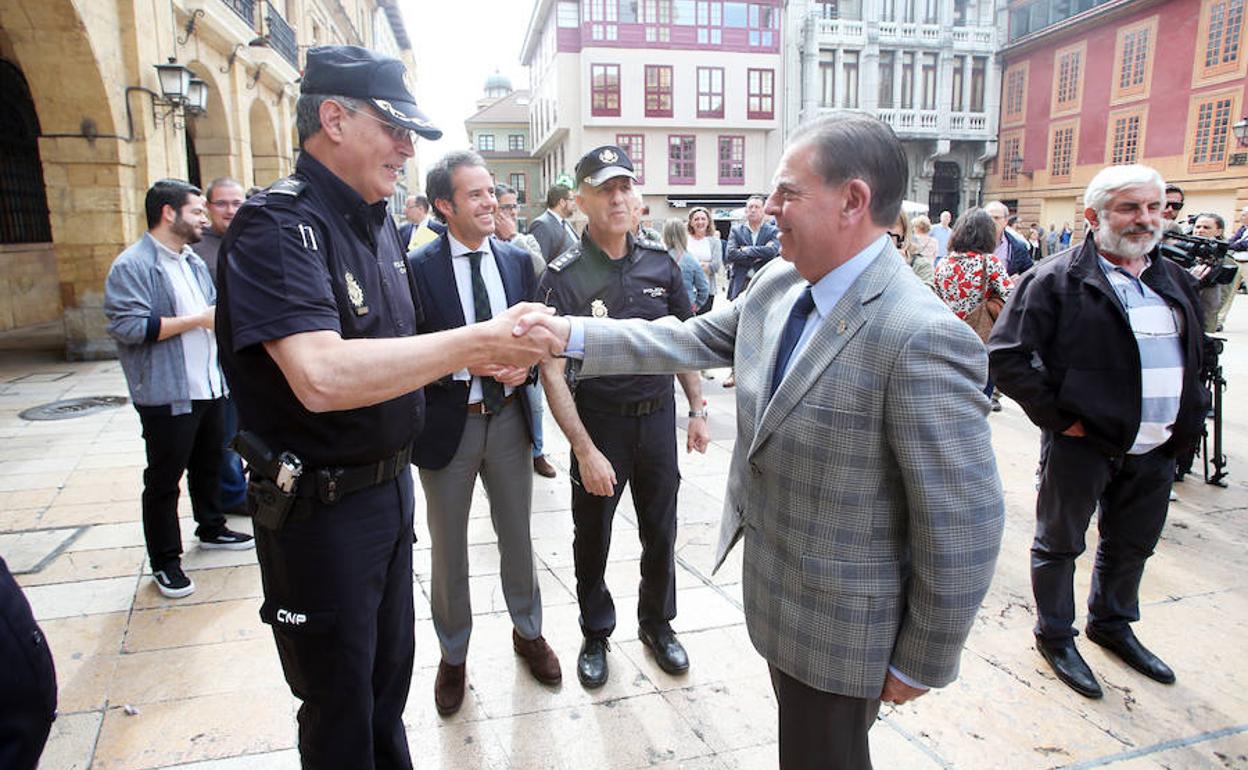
(1074, 344)
(1211, 226)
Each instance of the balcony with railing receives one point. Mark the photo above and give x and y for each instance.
(246, 10)
(281, 35)
(936, 124)
(839, 31)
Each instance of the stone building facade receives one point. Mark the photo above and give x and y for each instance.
(925, 67)
(85, 129)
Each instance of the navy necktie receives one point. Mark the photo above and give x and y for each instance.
(792, 333)
(491, 389)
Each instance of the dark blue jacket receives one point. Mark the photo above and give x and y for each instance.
(743, 256)
(446, 400)
(1020, 255)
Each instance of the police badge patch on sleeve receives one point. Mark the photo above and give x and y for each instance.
(355, 294)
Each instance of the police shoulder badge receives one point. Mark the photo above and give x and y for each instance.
(598, 309)
(355, 294)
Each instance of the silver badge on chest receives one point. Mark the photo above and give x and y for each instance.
(598, 309)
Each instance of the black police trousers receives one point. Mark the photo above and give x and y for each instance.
(192, 443)
(27, 680)
(642, 450)
(1133, 492)
(338, 596)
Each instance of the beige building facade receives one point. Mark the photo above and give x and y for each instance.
(499, 131)
(91, 130)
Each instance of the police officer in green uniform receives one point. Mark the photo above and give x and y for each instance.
(316, 324)
(622, 429)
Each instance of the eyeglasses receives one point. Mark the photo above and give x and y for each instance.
(397, 133)
(225, 204)
(897, 238)
(508, 206)
(1176, 205)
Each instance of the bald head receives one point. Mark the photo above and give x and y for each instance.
(1000, 214)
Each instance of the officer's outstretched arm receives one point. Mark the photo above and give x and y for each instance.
(328, 373)
(597, 474)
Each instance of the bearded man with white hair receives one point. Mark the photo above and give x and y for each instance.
(1103, 346)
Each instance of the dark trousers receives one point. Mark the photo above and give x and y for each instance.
(338, 594)
(190, 443)
(27, 680)
(821, 730)
(1133, 494)
(642, 450)
(233, 484)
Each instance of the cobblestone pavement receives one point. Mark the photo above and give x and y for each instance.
(202, 679)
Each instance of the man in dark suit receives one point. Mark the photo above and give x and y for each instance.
(476, 424)
(1012, 249)
(751, 245)
(552, 229)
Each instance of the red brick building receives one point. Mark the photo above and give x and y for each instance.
(1087, 84)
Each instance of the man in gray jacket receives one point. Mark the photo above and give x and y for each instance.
(160, 304)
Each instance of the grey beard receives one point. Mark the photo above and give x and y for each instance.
(1109, 241)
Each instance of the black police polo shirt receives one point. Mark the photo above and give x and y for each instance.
(313, 259)
(646, 283)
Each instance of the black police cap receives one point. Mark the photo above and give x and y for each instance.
(349, 70)
(603, 163)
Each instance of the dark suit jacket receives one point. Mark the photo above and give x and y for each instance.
(742, 257)
(551, 235)
(446, 400)
(1020, 255)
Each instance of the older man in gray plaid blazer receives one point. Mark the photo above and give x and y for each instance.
(863, 478)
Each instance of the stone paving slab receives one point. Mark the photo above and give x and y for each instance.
(69, 524)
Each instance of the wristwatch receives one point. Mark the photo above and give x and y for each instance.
(700, 413)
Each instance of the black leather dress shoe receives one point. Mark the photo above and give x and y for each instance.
(669, 653)
(1070, 667)
(591, 664)
(1134, 654)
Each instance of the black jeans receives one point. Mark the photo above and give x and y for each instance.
(822, 730)
(192, 443)
(1133, 492)
(642, 450)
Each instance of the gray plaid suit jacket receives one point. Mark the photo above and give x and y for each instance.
(866, 489)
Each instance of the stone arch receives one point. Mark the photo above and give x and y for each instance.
(67, 57)
(210, 132)
(266, 158)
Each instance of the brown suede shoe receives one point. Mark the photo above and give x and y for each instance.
(542, 467)
(541, 659)
(448, 688)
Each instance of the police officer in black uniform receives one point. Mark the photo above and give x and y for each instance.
(317, 330)
(622, 429)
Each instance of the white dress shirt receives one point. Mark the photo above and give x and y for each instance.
(463, 284)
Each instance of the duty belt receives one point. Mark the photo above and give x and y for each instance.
(332, 484)
(624, 409)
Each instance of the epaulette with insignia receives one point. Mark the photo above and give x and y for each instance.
(566, 258)
(646, 243)
(286, 189)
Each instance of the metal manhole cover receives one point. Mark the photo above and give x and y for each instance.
(73, 407)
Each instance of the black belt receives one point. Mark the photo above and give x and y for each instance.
(626, 409)
(329, 485)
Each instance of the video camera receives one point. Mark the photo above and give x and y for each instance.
(1188, 251)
